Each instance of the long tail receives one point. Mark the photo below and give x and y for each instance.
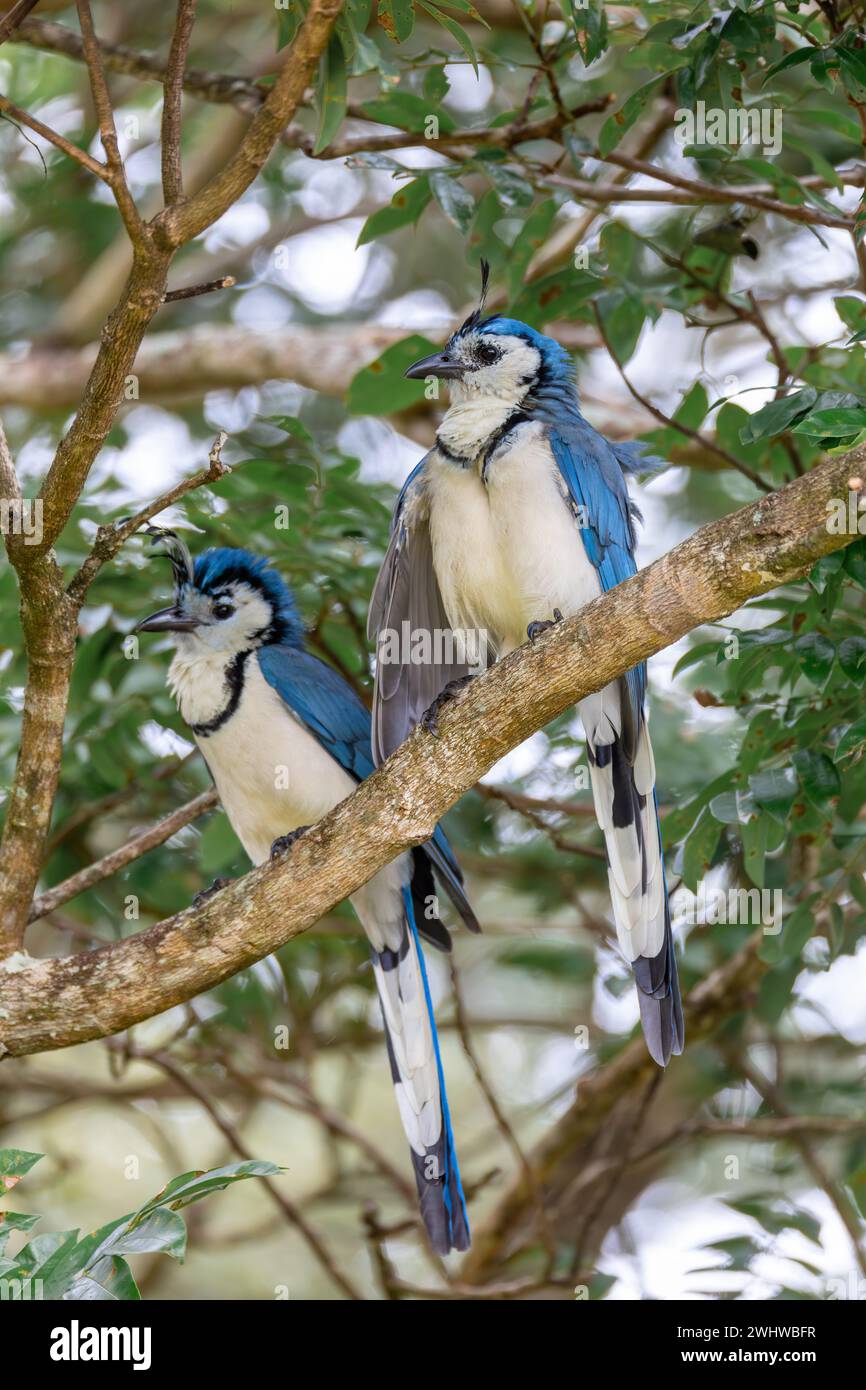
(416, 1070)
(622, 772)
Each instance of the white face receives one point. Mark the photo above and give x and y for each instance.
(232, 619)
(497, 364)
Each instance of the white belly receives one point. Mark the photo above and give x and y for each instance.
(274, 776)
(536, 530)
(507, 551)
(271, 773)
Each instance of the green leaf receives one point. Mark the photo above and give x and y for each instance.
(405, 207)
(381, 388)
(397, 18)
(455, 30)
(817, 654)
(622, 120)
(14, 1221)
(14, 1164)
(161, 1231)
(857, 887)
(832, 422)
(852, 657)
(790, 60)
(774, 994)
(110, 1281)
(818, 777)
(455, 201)
(288, 23)
(702, 651)
(775, 790)
(531, 236)
(331, 94)
(699, 849)
(406, 111)
(191, 1187)
(676, 824)
(436, 85)
(854, 561)
(852, 744)
(293, 426)
(623, 318)
(512, 190)
(777, 416)
(753, 836)
(733, 808)
(590, 22)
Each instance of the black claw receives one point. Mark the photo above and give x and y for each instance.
(429, 719)
(284, 842)
(206, 893)
(535, 629)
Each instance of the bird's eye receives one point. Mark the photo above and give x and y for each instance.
(486, 352)
(223, 610)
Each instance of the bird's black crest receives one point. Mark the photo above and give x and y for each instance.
(174, 550)
(474, 318)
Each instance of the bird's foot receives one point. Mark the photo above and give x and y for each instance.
(430, 718)
(535, 630)
(283, 843)
(206, 893)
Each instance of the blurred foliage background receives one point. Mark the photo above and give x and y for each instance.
(716, 308)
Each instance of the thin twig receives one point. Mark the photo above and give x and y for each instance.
(290, 1210)
(87, 811)
(13, 17)
(93, 166)
(758, 196)
(709, 444)
(107, 130)
(225, 282)
(845, 1210)
(109, 539)
(172, 173)
(118, 859)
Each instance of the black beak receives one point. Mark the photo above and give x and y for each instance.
(168, 620)
(437, 364)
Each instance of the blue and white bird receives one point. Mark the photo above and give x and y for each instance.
(518, 515)
(286, 738)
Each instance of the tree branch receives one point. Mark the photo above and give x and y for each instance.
(48, 613)
(118, 858)
(15, 16)
(53, 1003)
(107, 131)
(187, 363)
(93, 166)
(109, 539)
(178, 225)
(172, 174)
(696, 195)
(586, 1144)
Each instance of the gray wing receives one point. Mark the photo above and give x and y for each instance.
(406, 601)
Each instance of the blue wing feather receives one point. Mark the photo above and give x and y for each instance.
(593, 474)
(324, 702)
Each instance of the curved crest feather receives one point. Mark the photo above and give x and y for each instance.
(175, 550)
(474, 318)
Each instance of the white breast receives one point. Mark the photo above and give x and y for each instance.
(271, 773)
(473, 575)
(537, 532)
(507, 550)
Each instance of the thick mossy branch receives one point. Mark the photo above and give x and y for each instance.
(54, 1003)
